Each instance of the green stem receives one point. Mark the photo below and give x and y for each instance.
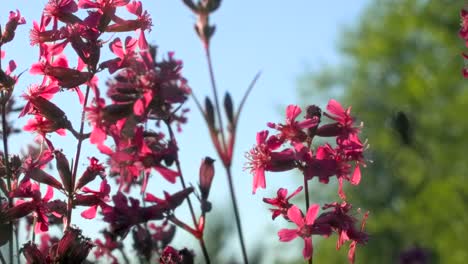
(236, 214)
(8, 174)
(215, 95)
(182, 181)
(77, 159)
(227, 166)
(306, 190)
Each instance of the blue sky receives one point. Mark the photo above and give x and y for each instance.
(281, 38)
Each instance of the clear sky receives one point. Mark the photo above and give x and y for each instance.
(280, 38)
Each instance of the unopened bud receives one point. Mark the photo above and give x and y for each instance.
(47, 109)
(64, 170)
(32, 254)
(14, 20)
(228, 108)
(209, 112)
(43, 177)
(315, 113)
(206, 176)
(73, 247)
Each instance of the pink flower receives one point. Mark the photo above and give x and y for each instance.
(62, 10)
(105, 248)
(304, 228)
(344, 122)
(142, 22)
(124, 52)
(14, 20)
(262, 158)
(37, 205)
(281, 202)
(94, 199)
(294, 130)
(463, 33)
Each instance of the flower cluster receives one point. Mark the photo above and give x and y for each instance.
(463, 33)
(140, 88)
(291, 147)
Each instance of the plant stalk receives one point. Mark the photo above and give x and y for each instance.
(8, 174)
(236, 214)
(224, 149)
(77, 159)
(182, 181)
(307, 203)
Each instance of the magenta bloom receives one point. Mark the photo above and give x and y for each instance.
(304, 228)
(294, 130)
(262, 158)
(344, 125)
(281, 202)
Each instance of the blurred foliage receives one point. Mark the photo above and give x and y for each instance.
(401, 72)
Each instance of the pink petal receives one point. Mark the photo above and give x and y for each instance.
(335, 107)
(286, 235)
(261, 136)
(295, 215)
(308, 249)
(117, 48)
(312, 213)
(292, 111)
(11, 67)
(259, 179)
(356, 176)
(37, 68)
(340, 189)
(97, 136)
(139, 107)
(134, 8)
(90, 213)
(130, 44)
(351, 252)
(49, 194)
(294, 193)
(168, 174)
(151, 198)
(282, 192)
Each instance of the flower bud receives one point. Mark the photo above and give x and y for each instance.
(209, 113)
(228, 108)
(64, 170)
(43, 177)
(14, 20)
(206, 176)
(93, 170)
(48, 109)
(32, 254)
(72, 248)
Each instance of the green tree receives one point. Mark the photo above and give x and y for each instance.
(401, 62)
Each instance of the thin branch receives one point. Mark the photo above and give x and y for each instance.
(77, 158)
(246, 95)
(182, 181)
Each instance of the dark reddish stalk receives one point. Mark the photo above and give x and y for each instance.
(182, 181)
(8, 174)
(307, 202)
(221, 154)
(215, 95)
(77, 159)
